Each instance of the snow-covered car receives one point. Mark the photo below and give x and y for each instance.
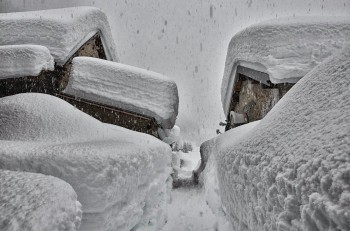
(291, 170)
(265, 60)
(121, 177)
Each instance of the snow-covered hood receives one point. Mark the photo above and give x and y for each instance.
(62, 31)
(286, 49)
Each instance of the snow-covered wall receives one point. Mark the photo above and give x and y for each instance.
(62, 31)
(291, 171)
(187, 41)
(286, 49)
(125, 87)
(24, 60)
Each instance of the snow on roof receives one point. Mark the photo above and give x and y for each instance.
(31, 201)
(62, 31)
(119, 175)
(24, 60)
(286, 49)
(125, 87)
(291, 171)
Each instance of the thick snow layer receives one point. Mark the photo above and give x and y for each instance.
(286, 49)
(62, 31)
(31, 201)
(291, 171)
(125, 87)
(119, 175)
(24, 60)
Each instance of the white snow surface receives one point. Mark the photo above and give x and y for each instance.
(291, 171)
(24, 60)
(126, 87)
(120, 176)
(286, 49)
(62, 31)
(31, 201)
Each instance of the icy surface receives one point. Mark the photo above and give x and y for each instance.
(125, 87)
(286, 49)
(31, 201)
(291, 171)
(62, 31)
(24, 60)
(119, 175)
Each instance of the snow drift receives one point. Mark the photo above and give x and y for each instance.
(31, 201)
(24, 60)
(291, 171)
(119, 175)
(126, 87)
(286, 49)
(62, 31)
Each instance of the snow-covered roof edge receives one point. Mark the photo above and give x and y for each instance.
(62, 31)
(125, 87)
(286, 49)
(24, 60)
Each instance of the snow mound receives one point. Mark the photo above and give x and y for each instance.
(36, 202)
(62, 31)
(120, 176)
(291, 171)
(126, 87)
(24, 60)
(286, 49)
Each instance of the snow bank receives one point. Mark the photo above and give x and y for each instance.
(36, 202)
(24, 60)
(62, 31)
(286, 49)
(115, 172)
(125, 87)
(291, 171)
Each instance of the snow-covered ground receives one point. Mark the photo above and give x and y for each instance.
(62, 31)
(189, 207)
(31, 201)
(291, 170)
(287, 49)
(125, 87)
(24, 60)
(120, 176)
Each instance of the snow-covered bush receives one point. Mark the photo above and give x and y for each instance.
(292, 170)
(120, 176)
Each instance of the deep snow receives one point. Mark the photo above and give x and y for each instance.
(126, 87)
(24, 60)
(30, 201)
(120, 176)
(291, 171)
(285, 48)
(62, 31)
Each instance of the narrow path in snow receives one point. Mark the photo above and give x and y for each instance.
(188, 208)
(188, 211)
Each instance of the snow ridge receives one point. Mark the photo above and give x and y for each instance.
(291, 171)
(286, 49)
